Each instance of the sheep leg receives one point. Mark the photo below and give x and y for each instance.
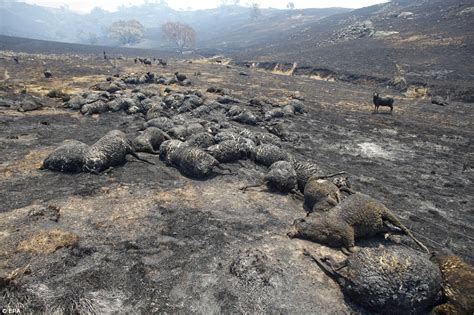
(225, 169)
(333, 264)
(331, 175)
(251, 186)
(327, 267)
(347, 190)
(141, 159)
(296, 194)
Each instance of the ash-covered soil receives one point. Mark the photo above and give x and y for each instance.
(144, 238)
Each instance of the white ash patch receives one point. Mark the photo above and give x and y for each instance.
(373, 150)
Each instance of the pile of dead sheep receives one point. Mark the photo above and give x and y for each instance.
(198, 135)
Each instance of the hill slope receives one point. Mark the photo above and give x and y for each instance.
(424, 42)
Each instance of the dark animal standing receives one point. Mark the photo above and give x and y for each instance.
(388, 280)
(47, 74)
(105, 55)
(382, 101)
(357, 216)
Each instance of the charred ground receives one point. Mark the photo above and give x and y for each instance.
(149, 239)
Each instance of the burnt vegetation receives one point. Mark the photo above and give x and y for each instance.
(179, 181)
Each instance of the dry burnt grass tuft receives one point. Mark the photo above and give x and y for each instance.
(162, 242)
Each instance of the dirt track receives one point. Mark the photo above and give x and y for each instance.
(153, 240)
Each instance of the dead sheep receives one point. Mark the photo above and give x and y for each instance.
(193, 162)
(149, 141)
(76, 102)
(281, 131)
(179, 132)
(56, 93)
(68, 157)
(388, 280)
(163, 123)
(167, 147)
(246, 117)
(147, 104)
(259, 137)
(190, 102)
(201, 140)
(357, 216)
(320, 195)
(304, 171)
(140, 96)
(98, 107)
(201, 111)
(234, 111)
(267, 154)
(221, 91)
(154, 111)
(225, 99)
(298, 106)
(274, 113)
(281, 177)
(288, 110)
(229, 151)
(194, 128)
(458, 283)
(110, 150)
(227, 135)
(29, 103)
(260, 101)
(182, 132)
(122, 104)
